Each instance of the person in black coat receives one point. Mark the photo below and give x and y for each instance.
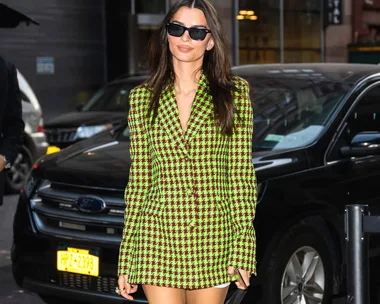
(11, 123)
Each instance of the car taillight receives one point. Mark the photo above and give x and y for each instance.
(40, 125)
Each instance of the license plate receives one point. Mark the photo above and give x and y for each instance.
(77, 260)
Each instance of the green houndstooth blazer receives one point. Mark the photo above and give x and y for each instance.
(190, 199)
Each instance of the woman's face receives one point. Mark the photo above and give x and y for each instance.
(185, 49)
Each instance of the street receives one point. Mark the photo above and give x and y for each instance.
(9, 291)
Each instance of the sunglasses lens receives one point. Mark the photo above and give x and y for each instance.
(197, 34)
(175, 30)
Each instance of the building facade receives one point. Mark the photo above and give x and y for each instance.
(268, 31)
(90, 42)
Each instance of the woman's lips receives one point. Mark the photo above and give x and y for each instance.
(184, 48)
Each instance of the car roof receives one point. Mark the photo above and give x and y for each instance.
(126, 78)
(338, 72)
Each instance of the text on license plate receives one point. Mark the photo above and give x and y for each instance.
(77, 261)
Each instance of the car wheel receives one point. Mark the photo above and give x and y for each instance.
(300, 269)
(17, 174)
(55, 300)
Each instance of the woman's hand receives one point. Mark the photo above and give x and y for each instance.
(125, 288)
(245, 274)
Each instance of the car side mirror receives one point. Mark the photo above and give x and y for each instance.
(363, 144)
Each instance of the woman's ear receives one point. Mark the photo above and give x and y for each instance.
(210, 44)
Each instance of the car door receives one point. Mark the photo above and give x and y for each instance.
(356, 179)
(359, 176)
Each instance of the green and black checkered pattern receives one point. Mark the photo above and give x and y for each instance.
(190, 198)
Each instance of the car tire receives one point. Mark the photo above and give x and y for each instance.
(286, 280)
(56, 300)
(16, 176)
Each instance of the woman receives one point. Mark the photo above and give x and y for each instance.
(191, 194)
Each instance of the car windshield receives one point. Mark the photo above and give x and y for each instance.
(113, 97)
(291, 113)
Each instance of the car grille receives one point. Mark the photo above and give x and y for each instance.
(78, 281)
(55, 212)
(61, 136)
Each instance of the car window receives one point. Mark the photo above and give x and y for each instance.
(288, 113)
(366, 115)
(291, 113)
(113, 97)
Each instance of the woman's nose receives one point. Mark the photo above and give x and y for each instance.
(185, 36)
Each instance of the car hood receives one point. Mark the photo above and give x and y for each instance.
(102, 161)
(76, 119)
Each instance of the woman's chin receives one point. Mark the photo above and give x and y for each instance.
(186, 58)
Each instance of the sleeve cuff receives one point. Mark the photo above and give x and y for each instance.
(243, 251)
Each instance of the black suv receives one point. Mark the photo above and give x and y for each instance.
(105, 110)
(315, 149)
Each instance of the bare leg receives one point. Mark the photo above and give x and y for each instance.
(164, 295)
(206, 296)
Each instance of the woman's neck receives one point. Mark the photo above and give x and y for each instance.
(186, 78)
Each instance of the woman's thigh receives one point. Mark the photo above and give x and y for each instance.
(206, 296)
(164, 295)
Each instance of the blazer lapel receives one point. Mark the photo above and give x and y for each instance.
(168, 116)
(201, 110)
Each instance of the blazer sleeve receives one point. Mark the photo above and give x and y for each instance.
(242, 183)
(13, 125)
(140, 176)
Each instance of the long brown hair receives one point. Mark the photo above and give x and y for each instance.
(216, 64)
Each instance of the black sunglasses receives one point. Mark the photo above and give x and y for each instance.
(195, 33)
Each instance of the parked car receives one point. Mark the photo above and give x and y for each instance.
(35, 144)
(103, 111)
(315, 149)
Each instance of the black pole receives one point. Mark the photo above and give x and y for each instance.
(357, 255)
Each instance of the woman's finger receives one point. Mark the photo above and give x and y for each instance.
(231, 270)
(246, 277)
(123, 286)
(121, 282)
(129, 289)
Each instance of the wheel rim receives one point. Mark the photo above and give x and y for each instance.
(303, 281)
(19, 170)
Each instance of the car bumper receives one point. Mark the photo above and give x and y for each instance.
(34, 264)
(77, 295)
(40, 144)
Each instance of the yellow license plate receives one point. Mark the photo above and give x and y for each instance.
(78, 261)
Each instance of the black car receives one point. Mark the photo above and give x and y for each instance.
(315, 149)
(105, 110)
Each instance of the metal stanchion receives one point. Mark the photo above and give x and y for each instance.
(357, 255)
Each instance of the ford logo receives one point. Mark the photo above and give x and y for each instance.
(90, 204)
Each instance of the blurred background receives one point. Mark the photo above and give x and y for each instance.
(83, 44)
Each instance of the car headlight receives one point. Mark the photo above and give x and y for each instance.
(88, 131)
